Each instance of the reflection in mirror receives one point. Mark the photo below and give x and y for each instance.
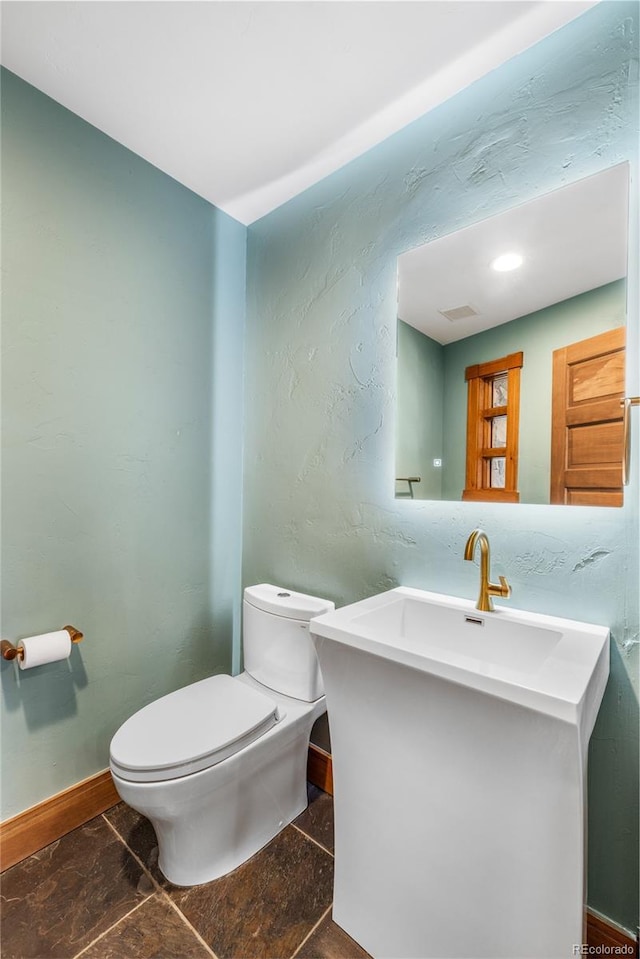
(511, 359)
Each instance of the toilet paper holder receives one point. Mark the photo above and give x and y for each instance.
(9, 651)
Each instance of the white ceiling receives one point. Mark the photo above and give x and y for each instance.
(572, 240)
(249, 103)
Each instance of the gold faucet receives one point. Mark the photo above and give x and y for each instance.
(487, 589)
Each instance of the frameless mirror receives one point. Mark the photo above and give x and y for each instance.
(511, 353)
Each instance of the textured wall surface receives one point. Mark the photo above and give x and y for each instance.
(122, 292)
(320, 514)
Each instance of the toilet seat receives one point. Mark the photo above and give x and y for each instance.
(191, 729)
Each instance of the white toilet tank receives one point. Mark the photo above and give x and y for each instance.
(277, 646)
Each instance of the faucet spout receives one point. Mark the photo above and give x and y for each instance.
(487, 588)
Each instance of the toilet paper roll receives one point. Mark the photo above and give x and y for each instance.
(47, 648)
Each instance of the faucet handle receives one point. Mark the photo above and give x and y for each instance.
(504, 588)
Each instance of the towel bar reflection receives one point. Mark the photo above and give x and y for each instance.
(410, 480)
(9, 651)
(626, 405)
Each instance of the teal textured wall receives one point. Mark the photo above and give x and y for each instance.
(319, 511)
(122, 321)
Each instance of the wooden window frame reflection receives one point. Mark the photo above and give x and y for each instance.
(480, 412)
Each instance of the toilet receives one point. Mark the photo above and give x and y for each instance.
(219, 767)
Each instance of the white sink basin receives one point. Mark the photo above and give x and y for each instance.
(459, 742)
(557, 666)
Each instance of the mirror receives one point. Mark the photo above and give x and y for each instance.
(510, 374)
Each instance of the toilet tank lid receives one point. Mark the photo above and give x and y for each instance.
(286, 602)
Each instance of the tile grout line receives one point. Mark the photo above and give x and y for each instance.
(315, 841)
(111, 928)
(167, 898)
(311, 931)
(188, 925)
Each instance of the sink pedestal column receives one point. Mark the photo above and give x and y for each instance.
(459, 816)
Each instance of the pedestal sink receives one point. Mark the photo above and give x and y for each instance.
(459, 744)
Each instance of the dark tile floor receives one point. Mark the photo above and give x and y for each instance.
(98, 893)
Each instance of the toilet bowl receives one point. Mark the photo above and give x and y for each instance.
(219, 767)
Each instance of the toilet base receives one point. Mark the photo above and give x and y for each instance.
(210, 822)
